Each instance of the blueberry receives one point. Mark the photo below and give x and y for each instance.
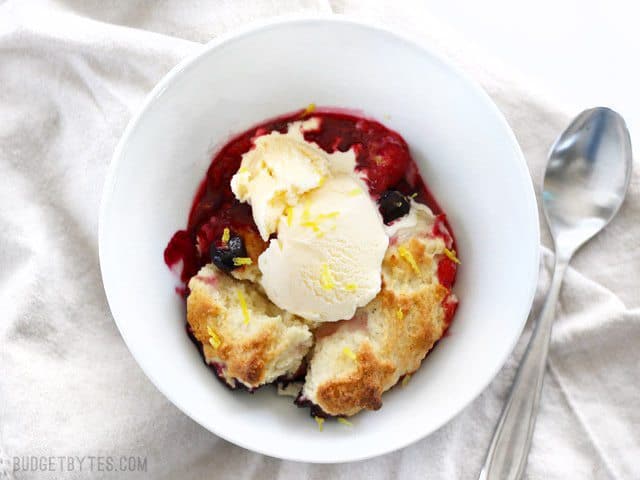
(236, 246)
(392, 205)
(222, 256)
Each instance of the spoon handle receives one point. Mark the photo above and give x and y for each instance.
(507, 455)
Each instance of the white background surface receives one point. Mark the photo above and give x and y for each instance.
(580, 53)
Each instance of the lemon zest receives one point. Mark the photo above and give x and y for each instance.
(406, 379)
(320, 422)
(326, 216)
(344, 421)
(326, 279)
(315, 223)
(354, 192)
(238, 261)
(289, 215)
(451, 254)
(350, 287)
(214, 339)
(226, 234)
(406, 254)
(305, 210)
(310, 109)
(400, 314)
(311, 224)
(349, 353)
(243, 170)
(414, 195)
(322, 180)
(243, 306)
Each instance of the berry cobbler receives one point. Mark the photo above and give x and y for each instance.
(316, 259)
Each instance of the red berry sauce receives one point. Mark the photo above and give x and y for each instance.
(381, 154)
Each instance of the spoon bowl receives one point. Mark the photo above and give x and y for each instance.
(587, 177)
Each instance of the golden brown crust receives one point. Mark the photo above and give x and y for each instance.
(413, 317)
(360, 389)
(200, 308)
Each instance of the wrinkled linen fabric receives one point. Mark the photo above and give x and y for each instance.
(72, 73)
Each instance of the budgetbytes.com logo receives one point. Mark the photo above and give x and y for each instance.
(72, 463)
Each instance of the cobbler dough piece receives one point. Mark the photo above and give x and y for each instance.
(355, 361)
(243, 335)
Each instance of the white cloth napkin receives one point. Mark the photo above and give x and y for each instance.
(71, 74)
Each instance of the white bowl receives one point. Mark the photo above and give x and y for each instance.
(465, 150)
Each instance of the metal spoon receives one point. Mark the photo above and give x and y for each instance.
(584, 186)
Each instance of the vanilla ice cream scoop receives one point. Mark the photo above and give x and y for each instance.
(326, 261)
(327, 258)
(280, 168)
